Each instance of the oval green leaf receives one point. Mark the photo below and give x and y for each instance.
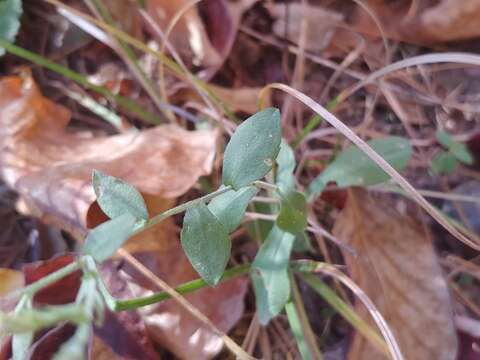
(104, 240)
(117, 197)
(293, 212)
(205, 242)
(270, 274)
(10, 12)
(229, 208)
(353, 167)
(253, 148)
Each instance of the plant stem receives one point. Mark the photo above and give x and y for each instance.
(46, 281)
(307, 331)
(122, 305)
(344, 309)
(127, 104)
(265, 185)
(181, 208)
(314, 121)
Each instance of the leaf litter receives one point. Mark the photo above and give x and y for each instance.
(44, 157)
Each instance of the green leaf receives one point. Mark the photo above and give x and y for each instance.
(444, 163)
(230, 207)
(293, 212)
(458, 150)
(444, 139)
(353, 167)
(270, 274)
(286, 166)
(461, 153)
(205, 242)
(250, 154)
(302, 243)
(10, 12)
(117, 197)
(104, 240)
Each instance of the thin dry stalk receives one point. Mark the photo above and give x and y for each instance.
(379, 320)
(399, 179)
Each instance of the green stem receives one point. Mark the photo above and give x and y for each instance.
(46, 281)
(296, 328)
(122, 305)
(127, 104)
(314, 121)
(181, 208)
(344, 309)
(303, 318)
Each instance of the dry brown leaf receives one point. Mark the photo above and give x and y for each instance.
(421, 21)
(190, 35)
(243, 99)
(10, 280)
(321, 27)
(51, 167)
(210, 40)
(398, 269)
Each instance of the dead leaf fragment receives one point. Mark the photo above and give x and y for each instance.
(397, 268)
(321, 26)
(421, 22)
(206, 31)
(10, 280)
(51, 167)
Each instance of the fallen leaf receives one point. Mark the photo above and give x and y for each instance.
(61, 292)
(51, 168)
(243, 99)
(206, 31)
(398, 269)
(421, 22)
(10, 280)
(321, 26)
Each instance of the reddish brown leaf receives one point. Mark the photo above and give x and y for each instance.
(398, 269)
(61, 292)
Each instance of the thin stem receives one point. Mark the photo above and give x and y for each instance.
(127, 104)
(188, 287)
(312, 124)
(303, 318)
(46, 281)
(181, 208)
(265, 185)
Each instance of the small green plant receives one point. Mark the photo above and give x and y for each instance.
(255, 150)
(446, 161)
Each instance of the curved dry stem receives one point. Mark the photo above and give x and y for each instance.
(171, 25)
(399, 179)
(462, 58)
(378, 24)
(358, 292)
(229, 343)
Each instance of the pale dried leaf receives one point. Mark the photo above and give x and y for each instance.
(209, 41)
(243, 99)
(321, 26)
(421, 22)
(51, 167)
(398, 269)
(189, 35)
